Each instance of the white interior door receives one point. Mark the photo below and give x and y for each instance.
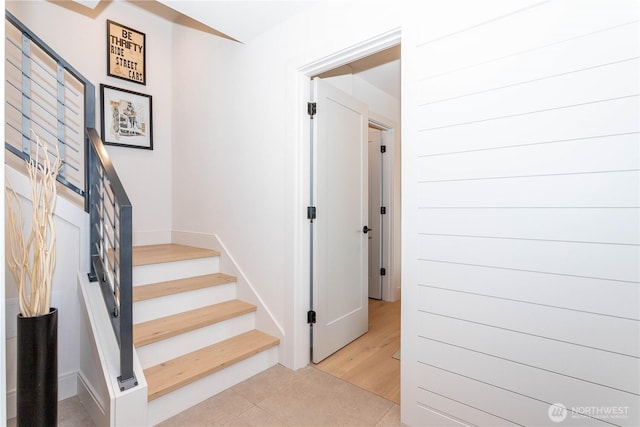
(340, 247)
(375, 218)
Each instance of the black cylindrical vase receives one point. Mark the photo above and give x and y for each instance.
(37, 366)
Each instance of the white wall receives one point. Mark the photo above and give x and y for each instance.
(521, 220)
(79, 35)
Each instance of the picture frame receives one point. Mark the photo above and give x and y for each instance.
(126, 53)
(126, 118)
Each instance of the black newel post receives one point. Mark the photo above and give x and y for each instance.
(37, 376)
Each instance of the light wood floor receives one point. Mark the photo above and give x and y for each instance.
(368, 361)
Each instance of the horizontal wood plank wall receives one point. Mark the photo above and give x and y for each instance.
(522, 217)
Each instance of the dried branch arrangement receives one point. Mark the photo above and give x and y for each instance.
(32, 258)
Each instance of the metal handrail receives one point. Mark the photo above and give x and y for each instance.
(110, 251)
(115, 277)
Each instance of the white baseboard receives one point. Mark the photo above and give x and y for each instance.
(67, 387)
(265, 321)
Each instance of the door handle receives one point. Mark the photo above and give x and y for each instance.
(366, 229)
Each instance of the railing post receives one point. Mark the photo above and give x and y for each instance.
(26, 91)
(60, 116)
(92, 177)
(89, 105)
(89, 123)
(112, 257)
(127, 378)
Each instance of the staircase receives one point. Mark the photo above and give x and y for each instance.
(193, 338)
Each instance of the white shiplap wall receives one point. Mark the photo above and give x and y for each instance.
(521, 187)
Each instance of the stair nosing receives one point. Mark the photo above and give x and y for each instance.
(187, 321)
(173, 287)
(160, 258)
(181, 379)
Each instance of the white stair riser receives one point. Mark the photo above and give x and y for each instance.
(153, 273)
(184, 398)
(161, 351)
(177, 303)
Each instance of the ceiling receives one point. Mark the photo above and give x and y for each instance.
(243, 20)
(381, 70)
(385, 77)
(239, 20)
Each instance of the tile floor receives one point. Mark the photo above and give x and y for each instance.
(71, 413)
(275, 397)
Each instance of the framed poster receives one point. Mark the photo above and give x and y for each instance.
(126, 118)
(126, 53)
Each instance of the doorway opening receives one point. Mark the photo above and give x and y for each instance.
(358, 78)
(375, 80)
(380, 196)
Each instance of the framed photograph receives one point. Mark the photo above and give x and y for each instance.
(126, 53)
(126, 118)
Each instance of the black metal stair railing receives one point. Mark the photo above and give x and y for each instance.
(110, 239)
(46, 96)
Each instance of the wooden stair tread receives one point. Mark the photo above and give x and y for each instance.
(166, 327)
(160, 289)
(173, 374)
(156, 254)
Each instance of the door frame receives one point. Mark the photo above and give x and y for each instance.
(391, 189)
(301, 341)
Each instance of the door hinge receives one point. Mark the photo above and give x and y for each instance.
(383, 148)
(311, 109)
(311, 317)
(383, 210)
(383, 271)
(311, 212)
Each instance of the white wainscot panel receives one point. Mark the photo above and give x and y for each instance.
(612, 262)
(606, 297)
(581, 225)
(440, 402)
(613, 371)
(614, 153)
(431, 27)
(616, 189)
(620, 116)
(596, 84)
(584, 329)
(550, 60)
(539, 386)
(448, 391)
(563, 21)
